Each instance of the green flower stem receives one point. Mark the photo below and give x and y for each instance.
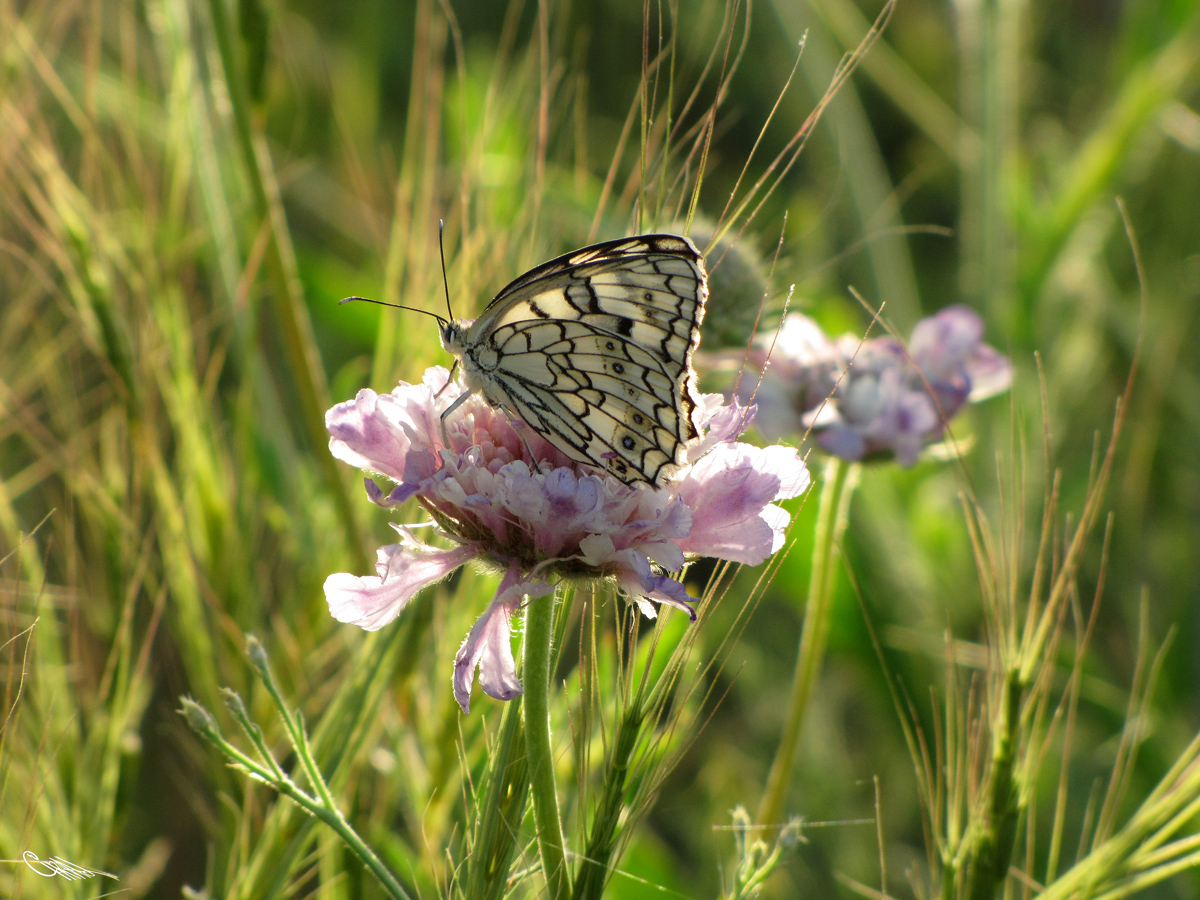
(293, 722)
(505, 792)
(539, 627)
(987, 849)
(594, 870)
(272, 775)
(837, 487)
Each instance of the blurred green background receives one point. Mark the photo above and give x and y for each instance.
(187, 189)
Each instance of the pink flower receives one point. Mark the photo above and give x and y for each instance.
(890, 400)
(501, 494)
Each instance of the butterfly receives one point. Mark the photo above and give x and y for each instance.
(593, 350)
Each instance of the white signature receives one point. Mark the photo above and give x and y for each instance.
(58, 867)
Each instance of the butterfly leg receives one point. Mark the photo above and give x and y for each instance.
(518, 426)
(449, 378)
(453, 406)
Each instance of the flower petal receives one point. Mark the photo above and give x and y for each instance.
(488, 646)
(362, 437)
(990, 372)
(666, 590)
(786, 464)
(372, 601)
(724, 423)
(638, 579)
(728, 490)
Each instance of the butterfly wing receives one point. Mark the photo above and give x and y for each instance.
(593, 351)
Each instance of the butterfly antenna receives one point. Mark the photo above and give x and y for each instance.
(445, 283)
(423, 312)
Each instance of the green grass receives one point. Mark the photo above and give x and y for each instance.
(187, 189)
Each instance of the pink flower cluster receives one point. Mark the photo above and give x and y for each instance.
(501, 494)
(874, 397)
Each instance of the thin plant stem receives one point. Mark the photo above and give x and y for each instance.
(269, 772)
(987, 851)
(292, 319)
(501, 809)
(595, 868)
(837, 488)
(539, 628)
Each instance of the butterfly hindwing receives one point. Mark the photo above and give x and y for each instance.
(590, 393)
(593, 351)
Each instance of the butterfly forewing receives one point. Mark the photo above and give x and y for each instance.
(593, 351)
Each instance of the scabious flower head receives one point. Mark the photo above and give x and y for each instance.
(501, 494)
(874, 397)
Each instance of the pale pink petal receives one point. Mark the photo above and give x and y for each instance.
(724, 423)
(362, 437)
(634, 573)
(437, 379)
(786, 464)
(663, 553)
(777, 519)
(842, 440)
(596, 549)
(749, 541)
(398, 495)
(488, 646)
(802, 339)
(727, 486)
(372, 601)
(945, 338)
(727, 491)
(824, 415)
(666, 590)
(645, 607)
(990, 372)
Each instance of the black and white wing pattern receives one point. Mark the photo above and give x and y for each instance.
(593, 350)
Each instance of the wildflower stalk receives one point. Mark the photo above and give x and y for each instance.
(539, 628)
(501, 809)
(594, 870)
(269, 772)
(756, 860)
(986, 850)
(837, 487)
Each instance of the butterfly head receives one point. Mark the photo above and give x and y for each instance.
(454, 335)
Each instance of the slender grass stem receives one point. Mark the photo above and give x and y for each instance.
(837, 488)
(539, 627)
(987, 851)
(594, 871)
(295, 327)
(270, 773)
(501, 809)
(1144, 92)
